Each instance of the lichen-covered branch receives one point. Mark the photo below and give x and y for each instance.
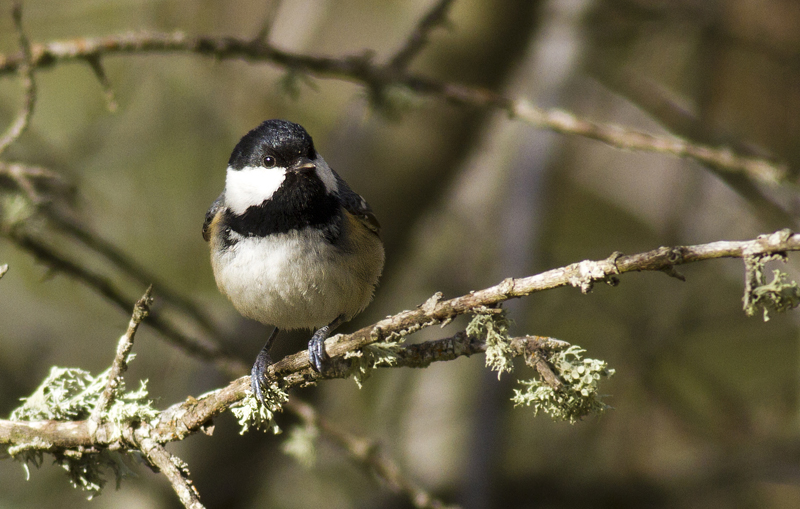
(120, 363)
(551, 358)
(185, 418)
(378, 77)
(195, 414)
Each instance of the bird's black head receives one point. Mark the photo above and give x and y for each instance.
(284, 141)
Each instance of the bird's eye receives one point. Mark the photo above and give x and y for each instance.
(269, 162)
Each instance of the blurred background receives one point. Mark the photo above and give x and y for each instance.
(705, 399)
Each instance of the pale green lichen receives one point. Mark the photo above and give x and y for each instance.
(70, 394)
(252, 414)
(364, 360)
(777, 295)
(577, 398)
(301, 444)
(15, 209)
(88, 471)
(493, 329)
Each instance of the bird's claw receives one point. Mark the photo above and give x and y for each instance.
(317, 356)
(258, 375)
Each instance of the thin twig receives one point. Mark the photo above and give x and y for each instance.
(270, 15)
(361, 70)
(580, 275)
(369, 454)
(420, 37)
(723, 159)
(120, 364)
(25, 66)
(199, 347)
(130, 267)
(171, 466)
(662, 105)
(26, 177)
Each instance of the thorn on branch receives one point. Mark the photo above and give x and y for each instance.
(99, 71)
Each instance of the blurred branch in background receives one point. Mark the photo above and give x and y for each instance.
(25, 67)
(380, 78)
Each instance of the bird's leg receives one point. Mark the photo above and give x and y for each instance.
(317, 356)
(259, 372)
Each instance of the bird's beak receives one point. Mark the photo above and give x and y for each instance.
(303, 165)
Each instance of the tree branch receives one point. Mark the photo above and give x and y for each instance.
(376, 77)
(183, 419)
(171, 466)
(44, 252)
(120, 363)
(25, 65)
(367, 452)
(420, 37)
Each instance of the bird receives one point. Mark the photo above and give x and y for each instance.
(292, 245)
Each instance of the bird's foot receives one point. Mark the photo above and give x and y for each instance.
(258, 375)
(317, 356)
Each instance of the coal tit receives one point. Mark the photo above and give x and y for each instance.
(291, 244)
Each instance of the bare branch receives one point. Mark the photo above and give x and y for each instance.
(199, 347)
(419, 38)
(171, 466)
(368, 453)
(131, 268)
(25, 66)
(270, 15)
(29, 178)
(580, 275)
(120, 363)
(361, 70)
(723, 159)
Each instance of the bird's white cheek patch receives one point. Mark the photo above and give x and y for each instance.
(250, 186)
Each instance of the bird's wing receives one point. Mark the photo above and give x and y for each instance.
(212, 211)
(358, 206)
